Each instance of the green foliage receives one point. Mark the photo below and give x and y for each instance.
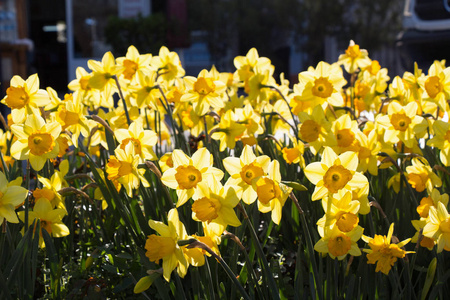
(147, 34)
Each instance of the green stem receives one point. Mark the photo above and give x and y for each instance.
(266, 268)
(317, 279)
(123, 99)
(193, 243)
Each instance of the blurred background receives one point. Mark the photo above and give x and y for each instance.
(53, 38)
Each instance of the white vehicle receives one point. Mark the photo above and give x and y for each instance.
(426, 33)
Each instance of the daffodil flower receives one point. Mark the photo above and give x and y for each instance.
(10, 197)
(337, 243)
(272, 194)
(438, 226)
(244, 170)
(334, 173)
(36, 141)
(164, 246)
(188, 172)
(51, 219)
(24, 97)
(382, 252)
(215, 206)
(123, 167)
(354, 58)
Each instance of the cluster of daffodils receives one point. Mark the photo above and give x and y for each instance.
(126, 112)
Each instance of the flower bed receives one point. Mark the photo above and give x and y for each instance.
(143, 182)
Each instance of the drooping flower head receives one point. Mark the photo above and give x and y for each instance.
(164, 246)
(382, 252)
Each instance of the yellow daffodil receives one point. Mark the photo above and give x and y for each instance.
(24, 97)
(50, 187)
(438, 226)
(168, 65)
(322, 85)
(188, 172)
(421, 176)
(132, 62)
(104, 71)
(257, 86)
(315, 129)
(354, 58)
(368, 149)
(204, 92)
(395, 182)
(36, 141)
(337, 243)
(102, 77)
(281, 117)
(142, 140)
(166, 162)
(432, 200)
(294, 154)
(402, 124)
(426, 242)
(164, 246)
(51, 219)
(71, 116)
(123, 167)
(345, 130)
(342, 212)
(227, 131)
(334, 173)
(382, 252)
(215, 206)
(244, 170)
(441, 140)
(10, 197)
(83, 90)
(272, 194)
(146, 91)
(246, 65)
(436, 85)
(210, 239)
(252, 122)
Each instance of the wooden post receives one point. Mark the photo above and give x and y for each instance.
(22, 19)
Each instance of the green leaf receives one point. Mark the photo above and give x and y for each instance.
(429, 279)
(295, 185)
(53, 261)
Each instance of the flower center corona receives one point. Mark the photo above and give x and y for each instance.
(346, 221)
(204, 86)
(206, 209)
(188, 177)
(251, 171)
(400, 121)
(267, 190)
(345, 137)
(339, 245)
(135, 142)
(310, 131)
(322, 88)
(40, 143)
(159, 247)
(433, 86)
(16, 97)
(130, 68)
(336, 178)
